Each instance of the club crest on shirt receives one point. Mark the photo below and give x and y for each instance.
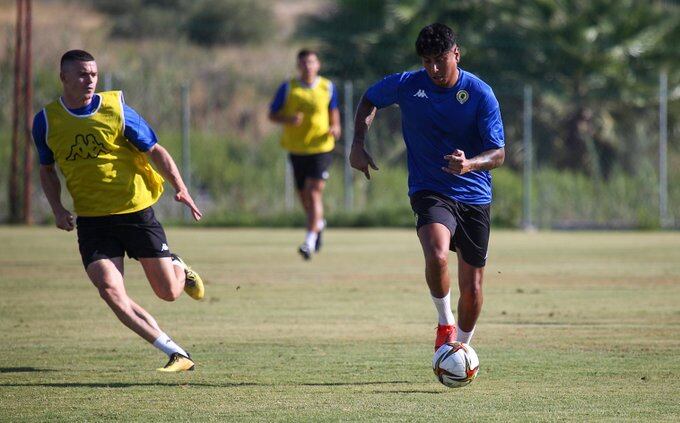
(462, 96)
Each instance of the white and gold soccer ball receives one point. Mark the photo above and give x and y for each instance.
(455, 364)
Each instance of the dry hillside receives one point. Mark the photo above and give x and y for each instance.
(217, 75)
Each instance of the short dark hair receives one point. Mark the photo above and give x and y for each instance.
(306, 52)
(435, 39)
(76, 56)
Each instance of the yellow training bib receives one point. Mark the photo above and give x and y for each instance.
(105, 173)
(312, 136)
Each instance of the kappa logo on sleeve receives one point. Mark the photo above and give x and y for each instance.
(86, 147)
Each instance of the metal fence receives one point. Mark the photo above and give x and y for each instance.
(204, 123)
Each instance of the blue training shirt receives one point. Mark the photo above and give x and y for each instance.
(436, 121)
(137, 130)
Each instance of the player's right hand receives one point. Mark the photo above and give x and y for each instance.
(360, 160)
(65, 220)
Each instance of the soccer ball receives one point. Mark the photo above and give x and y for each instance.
(455, 364)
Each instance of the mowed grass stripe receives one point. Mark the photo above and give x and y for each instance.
(576, 326)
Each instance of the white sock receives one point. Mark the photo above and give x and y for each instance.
(463, 336)
(167, 345)
(321, 224)
(310, 239)
(179, 264)
(443, 306)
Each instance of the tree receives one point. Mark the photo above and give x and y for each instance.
(594, 64)
(229, 22)
(204, 22)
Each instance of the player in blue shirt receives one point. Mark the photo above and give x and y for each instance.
(452, 127)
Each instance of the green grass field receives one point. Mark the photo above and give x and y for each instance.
(576, 326)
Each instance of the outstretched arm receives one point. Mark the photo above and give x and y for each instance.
(52, 189)
(487, 160)
(359, 158)
(168, 169)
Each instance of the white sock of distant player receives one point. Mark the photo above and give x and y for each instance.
(321, 224)
(465, 337)
(443, 306)
(167, 345)
(310, 239)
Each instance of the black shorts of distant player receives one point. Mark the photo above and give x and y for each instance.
(314, 166)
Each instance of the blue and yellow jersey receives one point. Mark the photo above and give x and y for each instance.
(315, 103)
(435, 122)
(106, 172)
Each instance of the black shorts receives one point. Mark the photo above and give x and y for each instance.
(313, 166)
(469, 224)
(138, 234)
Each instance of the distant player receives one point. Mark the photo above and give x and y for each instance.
(102, 147)
(307, 107)
(451, 123)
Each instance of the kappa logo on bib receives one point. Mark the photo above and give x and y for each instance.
(462, 96)
(86, 147)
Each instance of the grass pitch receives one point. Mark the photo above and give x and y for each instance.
(576, 326)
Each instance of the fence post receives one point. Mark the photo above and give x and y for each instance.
(14, 209)
(349, 135)
(186, 150)
(527, 174)
(28, 110)
(664, 220)
(108, 81)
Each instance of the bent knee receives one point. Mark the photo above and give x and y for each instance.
(116, 299)
(437, 259)
(111, 294)
(314, 186)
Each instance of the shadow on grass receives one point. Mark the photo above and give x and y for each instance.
(393, 382)
(190, 384)
(129, 384)
(411, 391)
(23, 370)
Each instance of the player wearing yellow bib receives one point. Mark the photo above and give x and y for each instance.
(102, 147)
(307, 107)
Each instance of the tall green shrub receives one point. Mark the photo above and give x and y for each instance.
(230, 22)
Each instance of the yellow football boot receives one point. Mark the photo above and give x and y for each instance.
(193, 285)
(177, 363)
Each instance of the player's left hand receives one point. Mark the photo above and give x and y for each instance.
(335, 131)
(184, 197)
(458, 163)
